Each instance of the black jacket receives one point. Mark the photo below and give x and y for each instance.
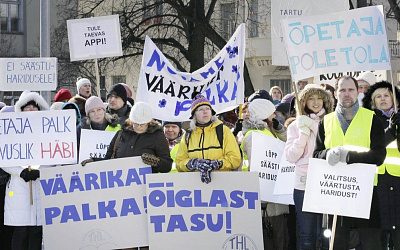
(131, 144)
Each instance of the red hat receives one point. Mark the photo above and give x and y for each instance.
(63, 95)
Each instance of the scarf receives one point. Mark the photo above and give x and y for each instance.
(346, 115)
(388, 113)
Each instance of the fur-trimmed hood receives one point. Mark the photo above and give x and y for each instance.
(309, 91)
(367, 100)
(28, 96)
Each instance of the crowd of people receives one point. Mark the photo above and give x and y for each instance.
(350, 121)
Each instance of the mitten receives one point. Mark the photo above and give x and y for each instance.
(333, 156)
(238, 127)
(150, 159)
(84, 162)
(193, 164)
(276, 125)
(304, 121)
(215, 164)
(30, 174)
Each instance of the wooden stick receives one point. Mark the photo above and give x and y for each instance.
(96, 65)
(332, 241)
(30, 189)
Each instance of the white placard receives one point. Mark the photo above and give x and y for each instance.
(330, 78)
(94, 143)
(38, 138)
(169, 92)
(285, 177)
(94, 37)
(341, 189)
(283, 9)
(99, 206)
(19, 74)
(266, 154)
(185, 213)
(337, 42)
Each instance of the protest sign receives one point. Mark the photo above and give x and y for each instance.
(19, 74)
(341, 189)
(285, 177)
(38, 138)
(100, 206)
(94, 37)
(266, 154)
(330, 78)
(185, 213)
(169, 92)
(94, 143)
(337, 42)
(283, 9)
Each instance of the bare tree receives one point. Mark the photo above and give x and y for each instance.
(183, 29)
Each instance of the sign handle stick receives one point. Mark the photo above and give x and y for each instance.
(394, 91)
(30, 189)
(332, 241)
(96, 65)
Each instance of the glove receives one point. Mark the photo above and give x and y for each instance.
(276, 125)
(394, 120)
(84, 162)
(238, 127)
(207, 168)
(215, 164)
(333, 156)
(150, 159)
(197, 164)
(30, 174)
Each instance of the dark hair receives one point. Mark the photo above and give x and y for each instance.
(345, 78)
(33, 103)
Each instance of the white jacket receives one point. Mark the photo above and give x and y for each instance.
(17, 208)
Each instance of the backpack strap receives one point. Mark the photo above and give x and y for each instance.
(220, 134)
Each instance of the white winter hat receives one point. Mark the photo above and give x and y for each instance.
(82, 82)
(141, 113)
(368, 77)
(27, 97)
(261, 109)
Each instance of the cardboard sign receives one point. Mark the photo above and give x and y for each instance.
(94, 143)
(19, 74)
(94, 37)
(100, 206)
(341, 189)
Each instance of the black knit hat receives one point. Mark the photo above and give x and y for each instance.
(179, 124)
(118, 90)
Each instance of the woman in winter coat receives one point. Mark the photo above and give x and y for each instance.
(201, 149)
(18, 211)
(97, 118)
(301, 134)
(141, 136)
(258, 118)
(380, 99)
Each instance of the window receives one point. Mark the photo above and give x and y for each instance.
(253, 18)
(228, 19)
(284, 84)
(118, 79)
(11, 16)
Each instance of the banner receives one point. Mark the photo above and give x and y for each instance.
(99, 206)
(266, 154)
(343, 41)
(283, 9)
(341, 189)
(94, 37)
(94, 143)
(19, 74)
(185, 213)
(285, 178)
(169, 92)
(38, 138)
(330, 78)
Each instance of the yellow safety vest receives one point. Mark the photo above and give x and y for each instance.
(357, 136)
(173, 153)
(245, 163)
(113, 129)
(392, 160)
